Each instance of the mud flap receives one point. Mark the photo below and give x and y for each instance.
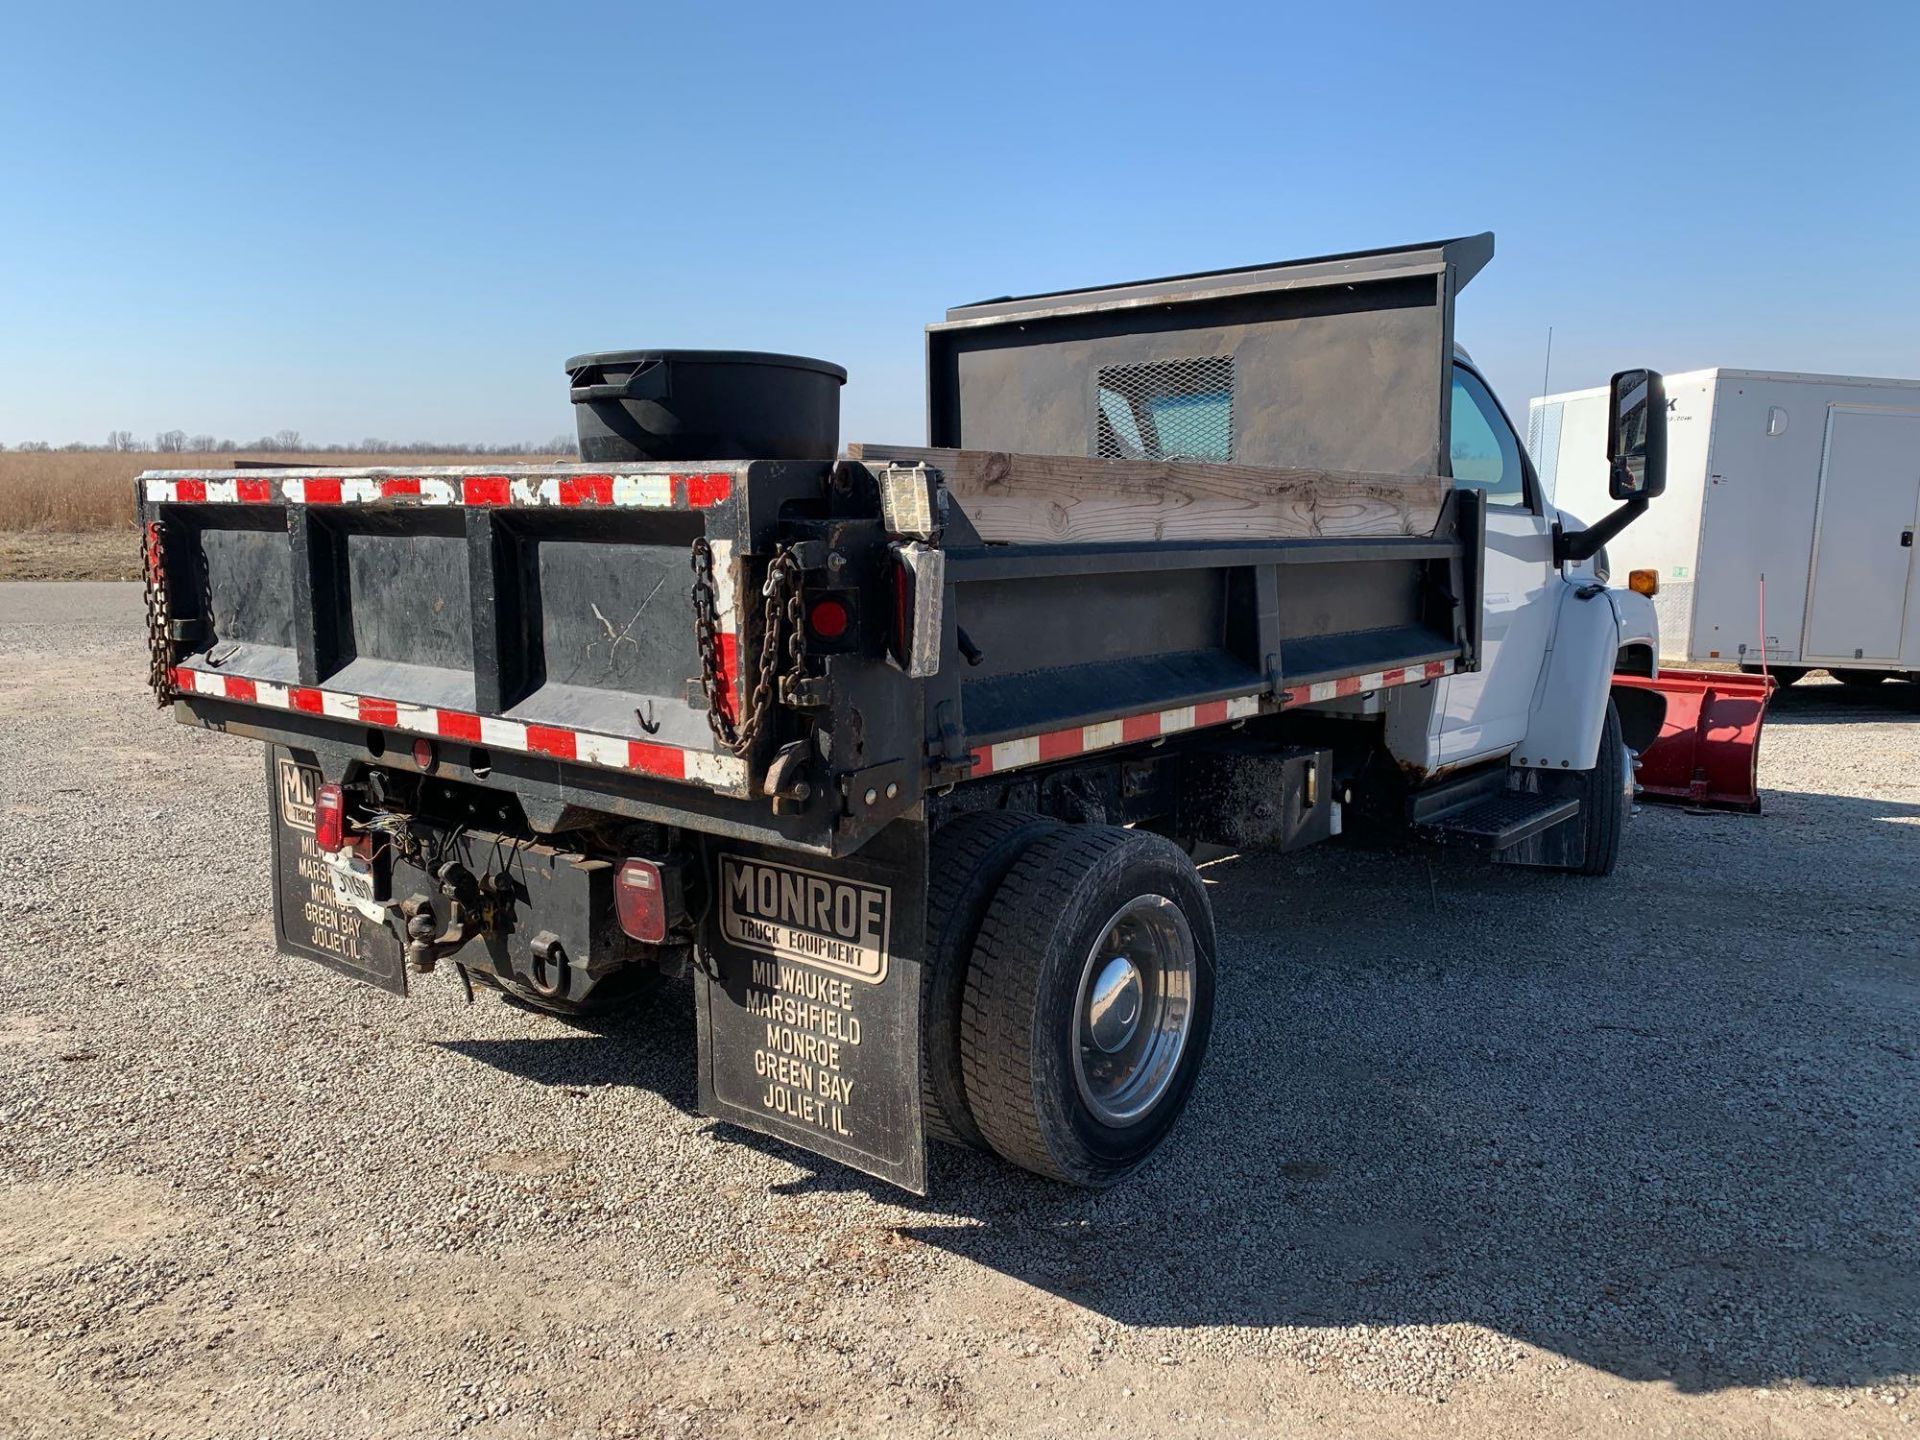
(808, 999)
(309, 919)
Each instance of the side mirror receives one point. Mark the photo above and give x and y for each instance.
(1636, 461)
(1637, 435)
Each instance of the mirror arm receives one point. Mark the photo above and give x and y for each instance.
(1585, 544)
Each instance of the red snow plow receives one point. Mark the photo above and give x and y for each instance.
(1708, 753)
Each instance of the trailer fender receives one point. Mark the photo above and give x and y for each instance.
(1570, 702)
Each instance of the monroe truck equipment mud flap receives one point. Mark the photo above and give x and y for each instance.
(1708, 752)
(310, 917)
(807, 996)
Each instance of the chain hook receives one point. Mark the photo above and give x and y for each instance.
(781, 594)
(153, 555)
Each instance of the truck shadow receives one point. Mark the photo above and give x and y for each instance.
(1661, 1125)
(646, 1048)
(1817, 700)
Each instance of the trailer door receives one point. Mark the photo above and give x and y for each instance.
(1864, 543)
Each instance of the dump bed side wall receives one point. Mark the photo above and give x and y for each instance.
(1084, 648)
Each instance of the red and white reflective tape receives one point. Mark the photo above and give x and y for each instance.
(1359, 684)
(1064, 744)
(609, 752)
(562, 489)
(1155, 724)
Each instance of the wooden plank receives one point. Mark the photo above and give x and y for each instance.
(1055, 498)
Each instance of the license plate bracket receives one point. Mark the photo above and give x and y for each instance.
(351, 876)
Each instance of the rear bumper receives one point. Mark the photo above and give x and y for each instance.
(533, 918)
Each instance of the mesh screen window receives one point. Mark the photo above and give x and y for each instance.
(1165, 410)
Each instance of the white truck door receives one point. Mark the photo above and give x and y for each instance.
(1864, 535)
(1486, 712)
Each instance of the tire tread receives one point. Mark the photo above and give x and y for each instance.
(970, 855)
(996, 1019)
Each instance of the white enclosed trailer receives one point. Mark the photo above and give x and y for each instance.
(1810, 483)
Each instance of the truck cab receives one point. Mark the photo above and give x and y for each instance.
(1489, 712)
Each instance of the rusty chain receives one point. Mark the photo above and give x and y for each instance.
(159, 640)
(782, 596)
(706, 634)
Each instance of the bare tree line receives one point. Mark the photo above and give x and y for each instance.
(289, 442)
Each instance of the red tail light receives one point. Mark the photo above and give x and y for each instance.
(828, 618)
(902, 612)
(639, 895)
(329, 818)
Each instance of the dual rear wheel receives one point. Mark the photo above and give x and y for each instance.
(1070, 990)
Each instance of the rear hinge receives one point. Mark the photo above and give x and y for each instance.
(879, 792)
(787, 780)
(949, 754)
(810, 554)
(805, 692)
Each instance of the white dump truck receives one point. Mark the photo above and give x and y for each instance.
(903, 754)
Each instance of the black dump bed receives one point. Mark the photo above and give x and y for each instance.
(542, 627)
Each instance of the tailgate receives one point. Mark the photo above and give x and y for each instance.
(546, 610)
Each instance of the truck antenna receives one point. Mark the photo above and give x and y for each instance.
(1546, 372)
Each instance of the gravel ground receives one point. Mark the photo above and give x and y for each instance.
(1477, 1151)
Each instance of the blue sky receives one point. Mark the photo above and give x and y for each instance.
(398, 219)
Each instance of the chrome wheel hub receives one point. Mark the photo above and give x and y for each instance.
(1113, 1005)
(1134, 1010)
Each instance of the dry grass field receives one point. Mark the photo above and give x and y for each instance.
(68, 515)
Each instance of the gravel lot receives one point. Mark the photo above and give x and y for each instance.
(1477, 1152)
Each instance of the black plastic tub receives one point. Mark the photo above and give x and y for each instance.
(680, 405)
